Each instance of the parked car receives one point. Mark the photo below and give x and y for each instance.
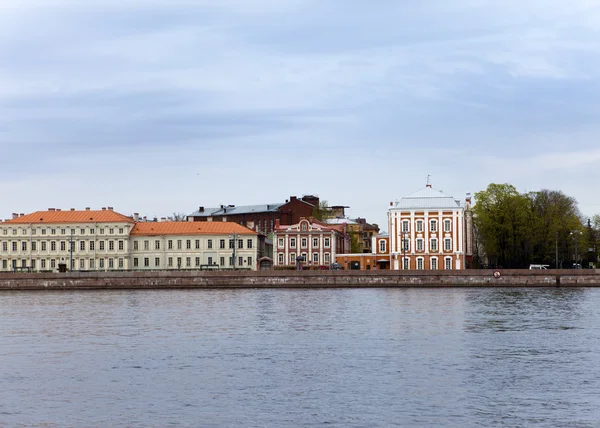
(539, 266)
(336, 266)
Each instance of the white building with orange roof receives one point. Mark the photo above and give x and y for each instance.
(80, 239)
(193, 245)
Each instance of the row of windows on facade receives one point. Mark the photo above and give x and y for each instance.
(64, 231)
(52, 263)
(420, 244)
(187, 261)
(315, 258)
(63, 245)
(121, 245)
(420, 226)
(110, 263)
(188, 244)
(433, 263)
(304, 242)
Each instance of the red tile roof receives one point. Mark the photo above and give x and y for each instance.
(189, 228)
(71, 216)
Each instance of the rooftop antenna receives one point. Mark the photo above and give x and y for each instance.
(428, 180)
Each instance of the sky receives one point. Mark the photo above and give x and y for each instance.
(162, 106)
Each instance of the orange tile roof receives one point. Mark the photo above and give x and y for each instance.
(83, 216)
(189, 228)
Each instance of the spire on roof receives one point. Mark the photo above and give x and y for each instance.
(428, 181)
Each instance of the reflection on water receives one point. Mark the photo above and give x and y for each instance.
(289, 358)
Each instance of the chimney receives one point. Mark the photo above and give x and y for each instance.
(136, 216)
(15, 215)
(292, 198)
(277, 222)
(163, 219)
(145, 218)
(51, 209)
(201, 209)
(58, 209)
(72, 209)
(110, 208)
(103, 208)
(87, 208)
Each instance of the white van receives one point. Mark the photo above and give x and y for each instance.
(539, 266)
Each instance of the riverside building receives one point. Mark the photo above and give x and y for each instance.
(427, 231)
(103, 240)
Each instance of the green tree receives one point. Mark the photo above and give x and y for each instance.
(322, 212)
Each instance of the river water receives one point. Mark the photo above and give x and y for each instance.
(301, 358)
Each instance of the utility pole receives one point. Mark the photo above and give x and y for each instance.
(556, 251)
(234, 238)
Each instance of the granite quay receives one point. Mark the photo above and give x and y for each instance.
(297, 279)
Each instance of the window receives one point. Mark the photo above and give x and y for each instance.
(52, 232)
(101, 263)
(315, 242)
(92, 231)
(135, 262)
(4, 264)
(188, 244)
(280, 258)
(121, 245)
(63, 246)
(327, 242)
(43, 245)
(43, 264)
(209, 244)
(135, 245)
(52, 245)
(120, 230)
(170, 244)
(111, 263)
(146, 262)
(231, 243)
(101, 233)
(179, 259)
(406, 246)
(121, 263)
(222, 244)
(111, 245)
(156, 245)
(63, 231)
(210, 260)
(222, 261)
(197, 244)
(179, 244)
(293, 258)
(304, 242)
(326, 258)
(419, 226)
(5, 231)
(34, 246)
(433, 226)
(52, 263)
(406, 263)
(448, 244)
(249, 261)
(420, 263)
(240, 243)
(434, 263)
(5, 246)
(280, 242)
(304, 226)
(405, 226)
(249, 243)
(146, 245)
(156, 261)
(33, 264)
(82, 231)
(170, 261)
(33, 231)
(43, 233)
(92, 245)
(101, 246)
(433, 244)
(188, 261)
(315, 257)
(448, 263)
(92, 264)
(82, 246)
(447, 225)
(240, 261)
(292, 242)
(24, 246)
(420, 245)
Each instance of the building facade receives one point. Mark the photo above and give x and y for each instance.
(81, 240)
(427, 231)
(379, 258)
(309, 241)
(193, 245)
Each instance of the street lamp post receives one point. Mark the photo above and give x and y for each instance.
(575, 235)
(403, 249)
(234, 239)
(71, 252)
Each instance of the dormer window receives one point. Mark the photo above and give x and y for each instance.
(304, 226)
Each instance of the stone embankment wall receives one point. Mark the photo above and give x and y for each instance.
(298, 279)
